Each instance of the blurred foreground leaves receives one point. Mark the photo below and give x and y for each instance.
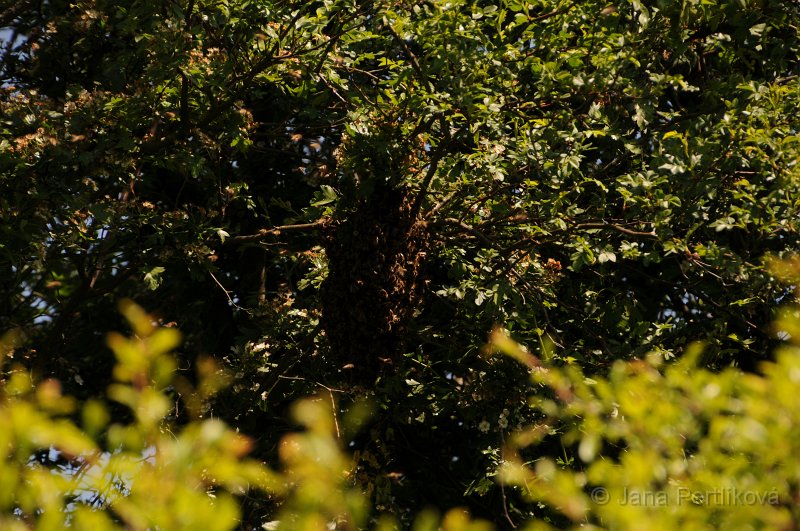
(151, 474)
(667, 446)
(654, 445)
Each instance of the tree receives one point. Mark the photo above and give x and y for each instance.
(347, 197)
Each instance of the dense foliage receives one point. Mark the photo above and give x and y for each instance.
(346, 197)
(149, 474)
(660, 446)
(666, 447)
(149, 477)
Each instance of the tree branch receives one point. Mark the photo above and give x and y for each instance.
(433, 165)
(611, 226)
(441, 204)
(263, 234)
(411, 57)
(472, 230)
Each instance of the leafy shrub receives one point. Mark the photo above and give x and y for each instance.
(150, 474)
(656, 445)
(668, 446)
(142, 475)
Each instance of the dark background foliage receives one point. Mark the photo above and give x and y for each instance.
(348, 196)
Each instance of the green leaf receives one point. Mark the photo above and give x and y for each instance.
(153, 277)
(606, 256)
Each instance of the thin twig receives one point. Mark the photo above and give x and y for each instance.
(330, 393)
(503, 489)
(226, 291)
(618, 228)
(441, 204)
(263, 234)
(426, 182)
(472, 230)
(411, 57)
(553, 13)
(335, 416)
